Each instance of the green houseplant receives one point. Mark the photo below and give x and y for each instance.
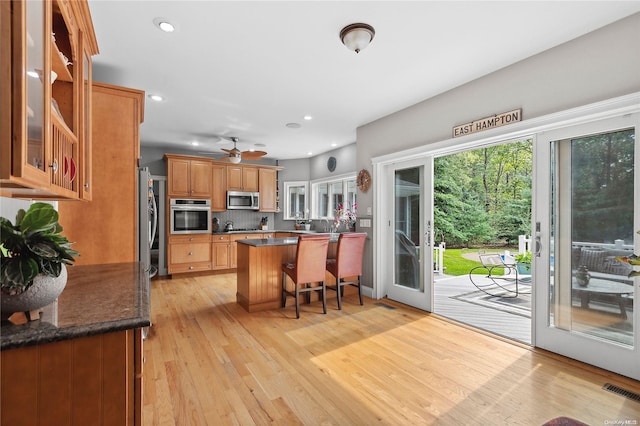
(633, 260)
(32, 247)
(523, 262)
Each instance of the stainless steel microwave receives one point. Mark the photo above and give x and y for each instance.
(190, 216)
(237, 200)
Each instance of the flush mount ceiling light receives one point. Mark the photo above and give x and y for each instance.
(357, 36)
(164, 25)
(156, 98)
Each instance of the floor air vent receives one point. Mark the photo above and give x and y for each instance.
(622, 392)
(384, 305)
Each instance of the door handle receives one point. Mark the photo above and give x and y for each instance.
(427, 235)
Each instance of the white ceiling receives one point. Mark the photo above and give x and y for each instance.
(247, 68)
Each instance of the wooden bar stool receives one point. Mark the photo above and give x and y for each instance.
(348, 263)
(311, 257)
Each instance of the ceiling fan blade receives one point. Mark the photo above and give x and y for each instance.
(253, 155)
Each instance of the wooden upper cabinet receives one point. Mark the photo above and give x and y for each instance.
(242, 178)
(250, 179)
(219, 188)
(49, 45)
(234, 178)
(178, 175)
(200, 179)
(268, 190)
(188, 178)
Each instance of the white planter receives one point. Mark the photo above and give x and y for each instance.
(45, 290)
(307, 226)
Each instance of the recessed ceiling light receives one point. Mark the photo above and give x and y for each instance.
(334, 144)
(195, 143)
(293, 125)
(164, 25)
(308, 117)
(156, 98)
(309, 153)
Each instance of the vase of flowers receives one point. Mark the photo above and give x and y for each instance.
(345, 216)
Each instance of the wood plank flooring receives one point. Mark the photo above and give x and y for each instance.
(208, 362)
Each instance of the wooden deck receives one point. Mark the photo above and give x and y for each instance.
(495, 321)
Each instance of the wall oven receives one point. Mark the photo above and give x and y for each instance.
(190, 216)
(237, 200)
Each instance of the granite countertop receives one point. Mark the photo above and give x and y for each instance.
(259, 231)
(97, 299)
(270, 242)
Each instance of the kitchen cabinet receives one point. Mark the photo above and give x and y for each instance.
(224, 248)
(220, 248)
(101, 375)
(46, 135)
(81, 363)
(189, 253)
(268, 188)
(219, 187)
(105, 229)
(188, 177)
(242, 178)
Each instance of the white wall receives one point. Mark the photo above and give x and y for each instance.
(597, 66)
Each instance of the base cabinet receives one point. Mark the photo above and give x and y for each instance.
(86, 381)
(189, 253)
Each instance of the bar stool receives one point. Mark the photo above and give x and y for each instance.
(348, 263)
(309, 267)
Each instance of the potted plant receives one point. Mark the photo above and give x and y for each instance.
(523, 262)
(633, 261)
(33, 255)
(306, 223)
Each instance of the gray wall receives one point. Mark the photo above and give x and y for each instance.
(308, 169)
(600, 65)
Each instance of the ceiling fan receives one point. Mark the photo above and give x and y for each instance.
(235, 155)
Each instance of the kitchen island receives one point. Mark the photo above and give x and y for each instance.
(81, 363)
(259, 273)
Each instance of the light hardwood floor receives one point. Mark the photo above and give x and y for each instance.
(208, 362)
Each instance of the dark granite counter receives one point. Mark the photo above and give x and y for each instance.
(273, 242)
(97, 299)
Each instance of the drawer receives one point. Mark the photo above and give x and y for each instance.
(190, 253)
(236, 237)
(189, 267)
(219, 238)
(190, 238)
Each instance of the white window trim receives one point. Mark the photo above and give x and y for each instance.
(287, 208)
(314, 195)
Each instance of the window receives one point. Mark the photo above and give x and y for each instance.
(327, 195)
(296, 202)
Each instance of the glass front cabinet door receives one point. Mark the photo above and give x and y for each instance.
(46, 141)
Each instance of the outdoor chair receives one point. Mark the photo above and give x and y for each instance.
(502, 277)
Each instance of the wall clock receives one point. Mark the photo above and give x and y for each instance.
(363, 180)
(331, 163)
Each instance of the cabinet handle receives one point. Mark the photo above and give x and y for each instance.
(190, 253)
(191, 239)
(190, 267)
(54, 166)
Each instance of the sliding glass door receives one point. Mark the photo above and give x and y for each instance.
(587, 215)
(409, 233)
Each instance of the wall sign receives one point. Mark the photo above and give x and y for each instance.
(488, 123)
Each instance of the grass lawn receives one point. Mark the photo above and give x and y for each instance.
(456, 264)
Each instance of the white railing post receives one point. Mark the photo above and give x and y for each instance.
(439, 258)
(524, 244)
